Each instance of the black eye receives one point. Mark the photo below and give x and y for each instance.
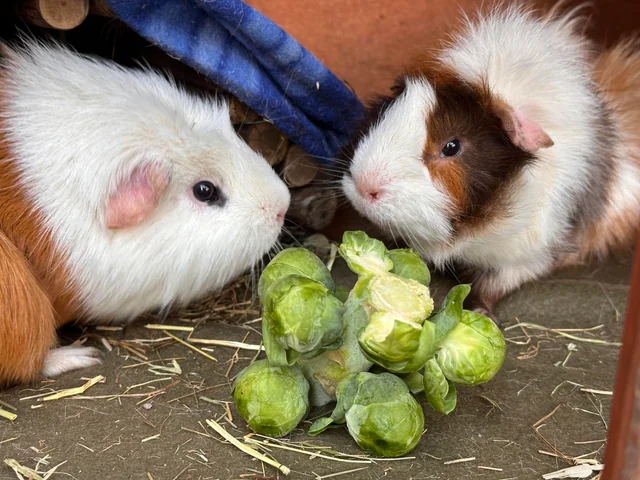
(451, 149)
(206, 192)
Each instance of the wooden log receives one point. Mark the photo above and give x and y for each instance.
(312, 207)
(267, 140)
(101, 9)
(58, 14)
(241, 114)
(298, 168)
(621, 460)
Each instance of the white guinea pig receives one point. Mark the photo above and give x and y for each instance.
(512, 151)
(119, 193)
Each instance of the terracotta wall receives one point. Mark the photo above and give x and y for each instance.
(366, 42)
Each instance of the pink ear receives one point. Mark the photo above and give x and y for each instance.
(523, 131)
(136, 197)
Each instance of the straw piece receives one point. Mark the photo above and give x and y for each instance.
(535, 326)
(246, 448)
(8, 415)
(577, 471)
(596, 392)
(69, 392)
(21, 470)
(309, 453)
(460, 460)
(196, 349)
(226, 343)
(176, 328)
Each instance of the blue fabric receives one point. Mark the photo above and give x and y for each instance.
(248, 55)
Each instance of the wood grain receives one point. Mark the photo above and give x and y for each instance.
(622, 461)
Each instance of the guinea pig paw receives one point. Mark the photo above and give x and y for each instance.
(65, 359)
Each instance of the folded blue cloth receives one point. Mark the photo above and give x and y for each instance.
(242, 51)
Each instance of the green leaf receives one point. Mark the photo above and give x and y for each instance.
(345, 395)
(342, 293)
(440, 392)
(415, 381)
(275, 353)
(450, 312)
(319, 426)
(408, 264)
(364, 255)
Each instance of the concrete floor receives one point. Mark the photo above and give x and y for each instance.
(131, 437)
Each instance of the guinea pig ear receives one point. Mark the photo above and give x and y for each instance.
(136, 196)
(524, 132)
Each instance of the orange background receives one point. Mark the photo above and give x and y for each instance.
(366, 42)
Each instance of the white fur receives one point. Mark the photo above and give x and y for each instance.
(78, 125)
(390, 158)
(542, 67)
(65, 359)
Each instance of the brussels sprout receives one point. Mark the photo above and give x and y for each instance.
(403, 350)
(365, 255)
(440, 392)
(390, 337)
(273, 400)
(408, 298)
(473, 351)
(294, 261)
(397, 336)
(325, 371)
(381, 414)
(408, 264)
(303, 317)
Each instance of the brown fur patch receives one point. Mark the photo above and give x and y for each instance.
(477, 179)
(27, 325)
(34, 292)
(451, 176)
(22, 225)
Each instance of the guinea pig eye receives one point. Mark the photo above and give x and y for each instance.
(206, 192)
(451, 148)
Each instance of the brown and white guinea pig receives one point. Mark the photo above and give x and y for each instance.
(511, 152)
(119, 193)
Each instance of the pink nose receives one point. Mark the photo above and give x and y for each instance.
(280, 215)
(368, 189)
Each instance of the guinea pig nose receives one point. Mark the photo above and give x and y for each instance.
(280, 215)
(369, 190)
(373, 195)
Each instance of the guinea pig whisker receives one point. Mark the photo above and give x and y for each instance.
(286, 231)
(345, 201)
(328, 159)
(333, 168)
(332, 176)
(393, 235)
(253, 277)
(333, 179)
